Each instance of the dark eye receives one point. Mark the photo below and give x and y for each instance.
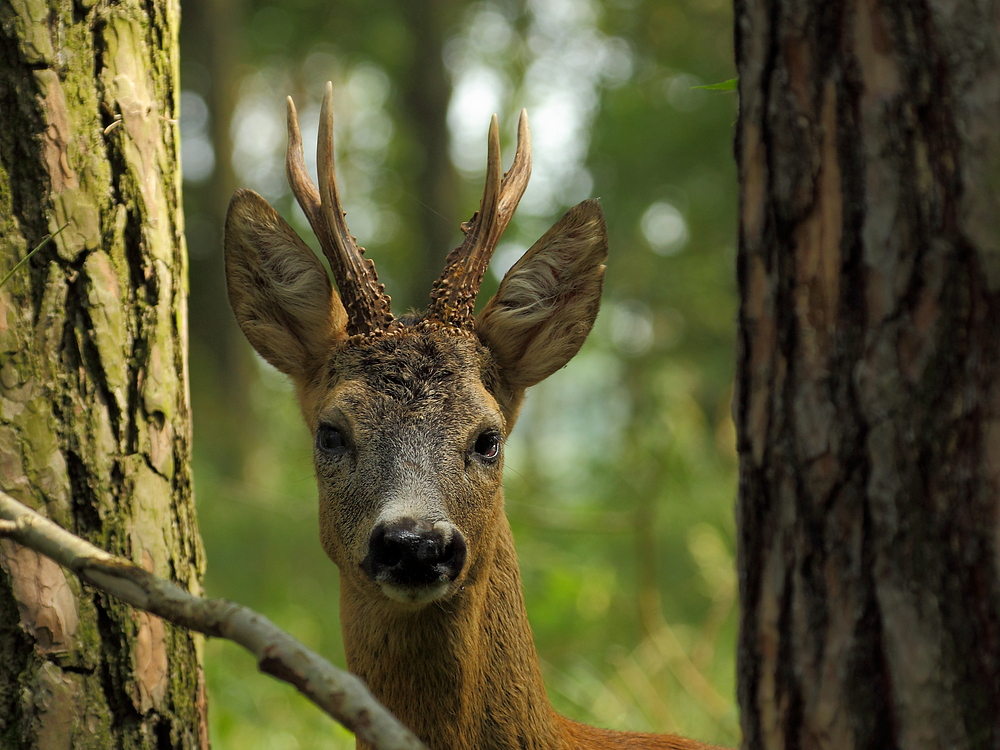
(487, 445)
(330, 440)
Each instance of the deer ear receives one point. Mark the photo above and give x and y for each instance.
(547, 302)
(279, 291)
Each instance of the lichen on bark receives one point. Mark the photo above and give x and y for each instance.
(94, 417)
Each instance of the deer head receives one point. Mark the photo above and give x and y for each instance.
(409, 414)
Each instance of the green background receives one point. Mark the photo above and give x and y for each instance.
(621, 474)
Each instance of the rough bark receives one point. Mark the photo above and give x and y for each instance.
(868, 404)
(94, 418)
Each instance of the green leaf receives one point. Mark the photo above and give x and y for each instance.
(27, 257)
(729, 85)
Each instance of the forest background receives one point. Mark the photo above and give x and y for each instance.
(621, 474)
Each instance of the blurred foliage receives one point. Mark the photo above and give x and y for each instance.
(621, 474)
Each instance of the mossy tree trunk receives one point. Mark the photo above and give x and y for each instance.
(94, 418)
(868, 406)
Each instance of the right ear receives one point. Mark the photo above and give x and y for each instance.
(547, 302)
(278, 289)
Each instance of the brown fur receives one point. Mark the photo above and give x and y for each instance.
(461, 670)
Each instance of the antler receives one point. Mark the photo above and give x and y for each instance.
(363, 296)
(454, 294)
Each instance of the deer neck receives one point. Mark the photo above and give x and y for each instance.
(460, 674)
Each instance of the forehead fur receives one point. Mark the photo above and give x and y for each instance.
(415, 365)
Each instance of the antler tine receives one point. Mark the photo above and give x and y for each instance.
(364, 298)
(303, 189)
(515, 182)
(453, 297)
(367, 304)
(494, 175)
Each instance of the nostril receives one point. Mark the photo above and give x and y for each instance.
(388, 545)
(430, 549)
(388, 551)
(454, 558)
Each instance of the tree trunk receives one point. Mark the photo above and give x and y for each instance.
(426, 93)
(94, 417)
(868, 377)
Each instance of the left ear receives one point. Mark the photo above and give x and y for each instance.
(279, 291)
(547, 303)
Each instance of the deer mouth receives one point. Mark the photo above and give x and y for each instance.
(414, 561)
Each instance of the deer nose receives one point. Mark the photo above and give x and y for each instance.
(412, 552)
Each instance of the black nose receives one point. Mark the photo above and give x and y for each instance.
(409, 552)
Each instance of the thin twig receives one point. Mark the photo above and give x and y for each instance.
(27, 257)
(342, 695)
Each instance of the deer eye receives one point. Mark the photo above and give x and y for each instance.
(330, 440)
(487, 446)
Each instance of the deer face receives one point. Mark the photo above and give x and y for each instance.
(408, 455)
(409, 415)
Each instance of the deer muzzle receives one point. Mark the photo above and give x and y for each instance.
(414, 561)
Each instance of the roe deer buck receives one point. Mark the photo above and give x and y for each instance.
(409, 416)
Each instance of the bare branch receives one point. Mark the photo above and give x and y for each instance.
(342, 695)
